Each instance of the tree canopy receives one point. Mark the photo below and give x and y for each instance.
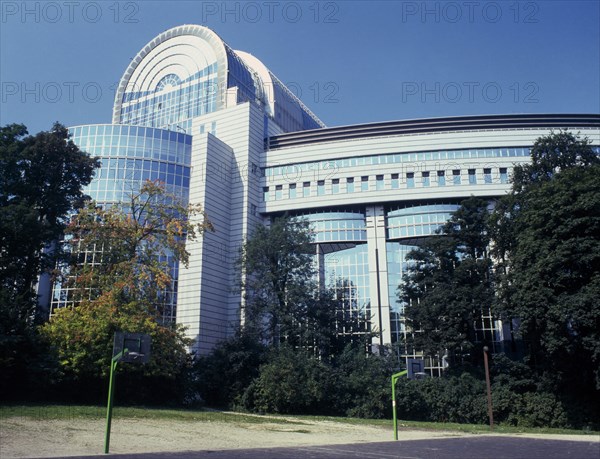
(449, 284)
(120, 280)
(41, 183)
(550, 241)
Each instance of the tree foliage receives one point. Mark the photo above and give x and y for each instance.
(550, 228)
(120, 278)
(41, 182)
(284, 302)
(449, 284)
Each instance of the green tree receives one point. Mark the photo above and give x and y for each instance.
(283, 301)
(449, 284)
(547, 234)
(120, 281)
(41, 181)
(553, 281)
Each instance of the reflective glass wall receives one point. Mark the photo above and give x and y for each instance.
(130, 155)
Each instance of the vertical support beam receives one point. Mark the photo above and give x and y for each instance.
(378, 274)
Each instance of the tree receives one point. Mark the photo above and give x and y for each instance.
(449, 284)
(284, 303)
(41, 182)
(121, 281)
(548, 236)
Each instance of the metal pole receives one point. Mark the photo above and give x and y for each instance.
(394, 380)
(489, 387)
(111, 393)
(394, 408)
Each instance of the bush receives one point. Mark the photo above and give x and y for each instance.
(222, 377)
(291, 382)
(450, 398)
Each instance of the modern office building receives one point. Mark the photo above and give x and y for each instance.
(221, 130)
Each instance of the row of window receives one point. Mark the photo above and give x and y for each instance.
(409, 180)
(293, 171)
(165, 146)
(99, 130)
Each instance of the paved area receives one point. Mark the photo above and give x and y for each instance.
(483, 447)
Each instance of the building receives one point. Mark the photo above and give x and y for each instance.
(221, 130)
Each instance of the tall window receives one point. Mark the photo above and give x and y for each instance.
(456, 176)
(379, 182)
(503, 175)
(425, 178)
(364, 183)
(472, 177)
(410, 179)
(335, 186)
(441, 177)
(278, 192)
(266, 195)
(395, 181)
(306, 189)
(487, 176)
(320, 187)
(350, 185)
(292, 190)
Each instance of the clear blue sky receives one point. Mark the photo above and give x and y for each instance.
(351, 61)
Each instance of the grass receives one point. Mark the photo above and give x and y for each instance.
(451, 426)
(66, 412)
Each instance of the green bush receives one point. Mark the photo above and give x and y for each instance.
(291, 382)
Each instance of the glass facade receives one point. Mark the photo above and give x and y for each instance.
(172, 103)
(130, 156)
(338, 226)
(346, 272)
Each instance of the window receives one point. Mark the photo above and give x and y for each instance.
(320, 187)
(364, 183)
(487, 176)
(350, 185)
(253, 209)
(441, 175)
(335, 186)
(278, 192)
(410, 179)
(472, 177)
(266, 195)
(379, 182)
(503, 175)
(456, 176)
(306, 189)
(395, 181)
(292, 193)
(425, 178)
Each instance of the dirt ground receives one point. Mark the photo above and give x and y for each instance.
(26, 437)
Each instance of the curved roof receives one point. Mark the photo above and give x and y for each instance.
(278, 97)
(429, 125)
(181, 53)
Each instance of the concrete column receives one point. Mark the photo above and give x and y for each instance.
(378, 276)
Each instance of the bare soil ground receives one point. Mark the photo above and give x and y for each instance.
(27, 437)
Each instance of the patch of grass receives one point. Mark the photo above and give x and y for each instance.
(65, 412)
(466, 428)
